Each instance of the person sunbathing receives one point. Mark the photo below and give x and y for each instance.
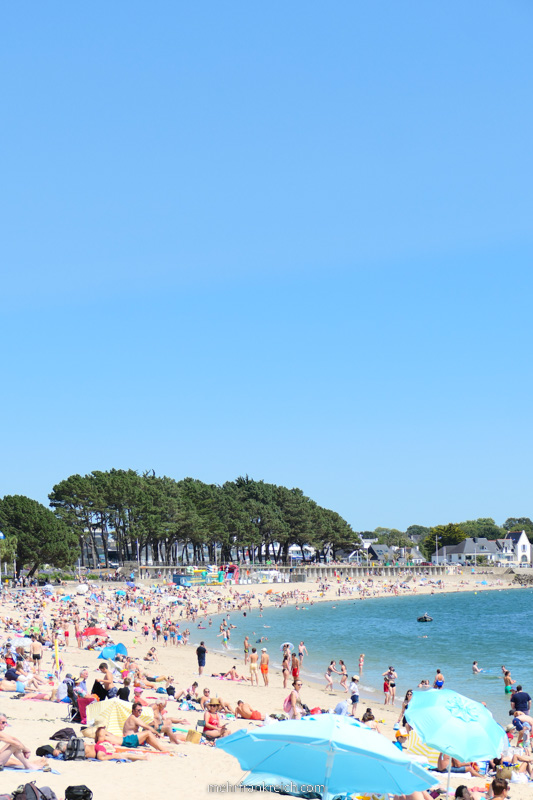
(163, 722)
(151, 655)
(245, 711)
(106, 751)
(61, 748)
(191, 693)
(459, 767)
(233, 675)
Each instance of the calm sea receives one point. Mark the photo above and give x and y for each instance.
(491, 627)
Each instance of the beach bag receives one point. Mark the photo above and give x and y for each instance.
(30, 791)
(504, 772)
(80, 792)
(287, 704)
(75, 750)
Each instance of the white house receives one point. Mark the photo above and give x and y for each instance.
(515, 548)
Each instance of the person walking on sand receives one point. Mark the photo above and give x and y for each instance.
(354, 694)
(264, 665)
(327, 675)
(201, 651)
(253, 667)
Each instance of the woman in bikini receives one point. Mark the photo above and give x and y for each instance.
(344, 675)
(285, 669)
(327, 675)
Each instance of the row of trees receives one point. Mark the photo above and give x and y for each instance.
(121, 513)
(186, 520)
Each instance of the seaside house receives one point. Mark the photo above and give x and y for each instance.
(467, 551)
(381, 553)
(411, 555)
(515, 548)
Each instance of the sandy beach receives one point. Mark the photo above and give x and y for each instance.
(191, 767)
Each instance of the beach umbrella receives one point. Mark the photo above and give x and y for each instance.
(130, 584)
(94, 632)
(48, 587)
(287, 644)
(120, 592)
(337, 754)
(82, 589)
(453, 724)
(64, 599)
(114, 713)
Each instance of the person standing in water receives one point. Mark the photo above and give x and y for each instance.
(301, 650)
(439, 680)
(361, 662)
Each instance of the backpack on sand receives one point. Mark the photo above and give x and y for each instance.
(75, 750)
(30, 791)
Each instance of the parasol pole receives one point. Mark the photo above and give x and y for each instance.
(56, 653)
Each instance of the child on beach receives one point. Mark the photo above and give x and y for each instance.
(354, 693)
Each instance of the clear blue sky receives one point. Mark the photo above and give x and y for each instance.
(292, 240)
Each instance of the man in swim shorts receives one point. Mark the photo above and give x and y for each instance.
(439, 680)
(264, 665)
(135, 732)
(245, 711)
(253, 666)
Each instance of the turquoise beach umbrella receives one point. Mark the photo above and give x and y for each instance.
(335, 755)
(453, 724)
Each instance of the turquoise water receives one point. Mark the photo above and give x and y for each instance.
(492, 627)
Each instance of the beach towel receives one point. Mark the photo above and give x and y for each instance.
(35, 769)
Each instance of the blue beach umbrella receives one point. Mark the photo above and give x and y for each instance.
(337, 754)
(120, 592)
(453, 724)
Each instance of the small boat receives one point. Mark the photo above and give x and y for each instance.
(425, 618)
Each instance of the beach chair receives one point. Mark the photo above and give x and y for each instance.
(73, 709)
